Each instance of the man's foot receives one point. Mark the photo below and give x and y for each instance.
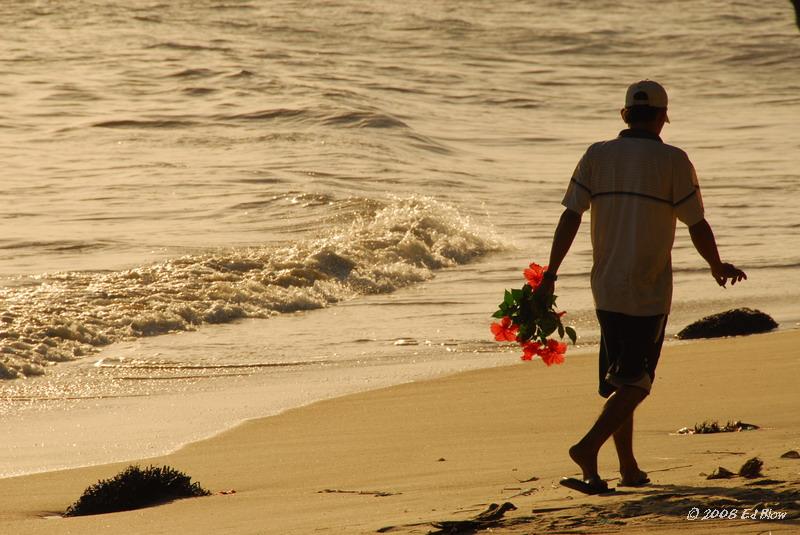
(587, 486)
(636, 478)
(586, 460)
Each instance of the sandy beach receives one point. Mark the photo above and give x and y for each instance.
(440, 450)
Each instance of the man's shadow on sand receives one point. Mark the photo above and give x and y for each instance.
(679, 501)
(673, 504)
(653, 503)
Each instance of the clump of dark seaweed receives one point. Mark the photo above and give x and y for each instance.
(713, 427)
(752, 468)
(736, 322)
(134, 488)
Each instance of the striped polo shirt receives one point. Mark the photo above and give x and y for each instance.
(637, 187)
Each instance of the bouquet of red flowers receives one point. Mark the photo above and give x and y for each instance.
(529, 318)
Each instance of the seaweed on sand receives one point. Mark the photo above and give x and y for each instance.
(735, 322)
(752, 468)
(134, 488)
(713, 427)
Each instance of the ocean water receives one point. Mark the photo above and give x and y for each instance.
(286, 201)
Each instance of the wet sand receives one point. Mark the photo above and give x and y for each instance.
(444, 449)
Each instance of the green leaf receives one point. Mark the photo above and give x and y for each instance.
(527, 291)
(560, 331)
(548, 325)
(508, 298)
(572, 334)
(543, 338)
(524, 333)
(499, 314)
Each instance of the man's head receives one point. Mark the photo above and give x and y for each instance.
(645, 105)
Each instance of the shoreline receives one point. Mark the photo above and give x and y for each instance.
(226, 400)
(491, 426)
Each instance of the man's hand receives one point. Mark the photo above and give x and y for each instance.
(546, 287)
(706, 245)
(722, 272)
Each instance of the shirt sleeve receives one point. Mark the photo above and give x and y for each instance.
(686, 197)
(578, 197)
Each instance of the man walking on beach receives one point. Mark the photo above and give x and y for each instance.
(637, 186)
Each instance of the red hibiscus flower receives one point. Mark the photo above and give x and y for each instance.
(553, 353)
(528, 318)
(530, 350)
(505, 331)
(534, 275)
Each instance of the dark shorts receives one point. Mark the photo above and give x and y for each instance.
(629, 350)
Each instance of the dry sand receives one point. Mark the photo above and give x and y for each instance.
(446, 448)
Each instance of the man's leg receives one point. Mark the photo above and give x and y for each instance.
(628, 467)
(617, 410)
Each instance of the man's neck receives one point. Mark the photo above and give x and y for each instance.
(654, 127)
(640, 133)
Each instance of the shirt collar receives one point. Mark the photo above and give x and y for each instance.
(644, 134)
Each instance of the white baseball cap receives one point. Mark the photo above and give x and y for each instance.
(646, 93)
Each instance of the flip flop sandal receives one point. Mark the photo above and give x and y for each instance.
(640, 483)
(586, 487)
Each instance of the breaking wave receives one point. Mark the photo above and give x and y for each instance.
(388, 245)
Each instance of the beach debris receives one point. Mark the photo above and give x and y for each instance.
(526, 492)
(227, 492)
(532, 478)
(751, 469)
(489, 518)
(406, 342)
(441, 460)
(721, 473)
(376, 493)
(791, 454)
(134, 488)
(733, 322)
(713, 427)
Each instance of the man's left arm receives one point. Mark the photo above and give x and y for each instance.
(705, 243)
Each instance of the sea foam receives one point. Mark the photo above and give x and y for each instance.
(385, 246)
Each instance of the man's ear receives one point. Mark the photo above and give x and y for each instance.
(623, 114)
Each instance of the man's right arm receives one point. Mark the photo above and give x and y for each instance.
(705, 243)
(567, 228)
